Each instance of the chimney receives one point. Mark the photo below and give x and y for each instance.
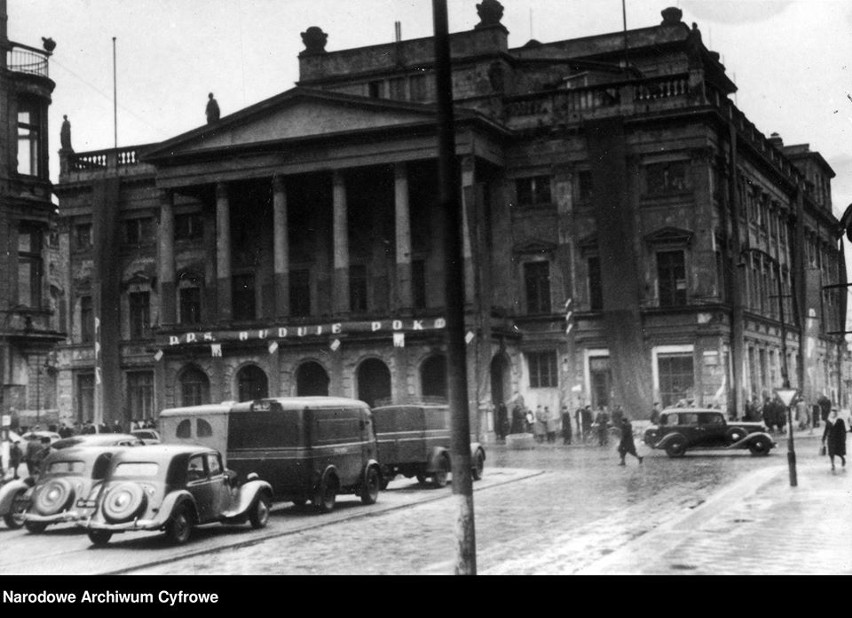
(776, 141)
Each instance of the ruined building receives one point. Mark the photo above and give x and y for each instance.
(293, 247)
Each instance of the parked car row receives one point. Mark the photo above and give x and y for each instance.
(228, 463)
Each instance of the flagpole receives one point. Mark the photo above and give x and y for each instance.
(114, 96)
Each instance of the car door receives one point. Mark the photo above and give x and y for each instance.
(713, 428)
(221, 491)
(688, 427)
(199, 485)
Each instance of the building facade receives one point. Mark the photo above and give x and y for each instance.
(30, 280)
(294, 247)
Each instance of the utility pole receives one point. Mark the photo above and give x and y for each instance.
(448, 201)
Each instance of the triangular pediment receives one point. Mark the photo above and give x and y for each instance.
(669, 235)
(296, 114)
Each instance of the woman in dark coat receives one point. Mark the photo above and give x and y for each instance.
(834, 438)
(626, 444)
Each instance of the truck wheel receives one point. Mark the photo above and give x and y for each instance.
(326, 494)
(15, 517)
(478, 466)
(100, 537)
(179, 527)
(421, 478)
(259, 515)
(676, 448)
(370, 486)
(442, 472)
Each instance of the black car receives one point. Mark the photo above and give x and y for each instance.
(680, 429)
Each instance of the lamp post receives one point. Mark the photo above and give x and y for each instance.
(785, 393)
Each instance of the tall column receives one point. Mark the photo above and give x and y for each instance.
(281, 248)
(403, 238)
(468, 217)
(166, 263)
(341, 246)
(223, 252)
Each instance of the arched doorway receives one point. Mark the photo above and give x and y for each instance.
(500, 382)
(374, 382)
(194, 387)
(252, 383)
(433, 377)
(311, 379)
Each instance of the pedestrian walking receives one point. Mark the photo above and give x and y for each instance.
(834, 438)
(626, 444)
(529, 419)
(602, 422)
(32, 455)
(587, 423)
(655, 413)
(15, 456)
(551, 422)
(566, 425)
(540, 424)
(116, 427)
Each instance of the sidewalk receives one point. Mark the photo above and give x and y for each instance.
(756, 526)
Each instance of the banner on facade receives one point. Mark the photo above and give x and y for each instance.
(158, 355)
(335, 345)
(273, 347)
(399, 340)
(216, 349)
(280, 333)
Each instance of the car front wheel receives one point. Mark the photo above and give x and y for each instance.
(676, 448)
(442, 472)
(179, 527)
(327, 494)
(259, 516)
(15, 517)
(759, 446)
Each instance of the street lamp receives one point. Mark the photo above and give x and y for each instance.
(785, 393)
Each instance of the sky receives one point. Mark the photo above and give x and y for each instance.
(789, 58)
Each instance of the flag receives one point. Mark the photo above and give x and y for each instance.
(158, 355)
(97, 375)
(216, 349)
(469, 337)
(335, 345)
(399, 340)
(273, 347)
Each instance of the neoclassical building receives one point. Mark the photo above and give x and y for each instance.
(294, 247)
(30, 274)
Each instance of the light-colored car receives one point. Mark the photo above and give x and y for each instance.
(97, 439)
(148, 436)
(39, 435)
(173, 487)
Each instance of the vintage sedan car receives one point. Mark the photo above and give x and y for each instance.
(148, 436)
(68, 477)
(97, 439)
(13, 501)
(682, 429)
(174, 487)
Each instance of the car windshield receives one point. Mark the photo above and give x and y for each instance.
(66, 467)
(137, 469)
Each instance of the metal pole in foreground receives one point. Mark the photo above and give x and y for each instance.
(448, 197)
(791, 451)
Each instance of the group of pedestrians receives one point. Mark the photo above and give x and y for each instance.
(546, 425)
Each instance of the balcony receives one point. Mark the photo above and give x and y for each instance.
(25, 59)
(76, 166)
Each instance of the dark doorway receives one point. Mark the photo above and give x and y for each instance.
(311, 380)
(252, 383)
(374, 382)
(500, 379)
(433, 377)
(600, 376)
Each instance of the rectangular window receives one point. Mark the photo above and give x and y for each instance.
(595, 285)
(87, 320)
(537, 280)
(140, 394)
(419, 87)
(29, 267)
(418, 284)
(139, 231)
(189, 226)
(671, 278)
(29, 123)
(584, 182)
(243, 297)
(677, 378)
(600, 378)
(140, 314)
(542, 369)
(533, 191)
(190, 305)
(662, 178)
(397, 88)
(357, 288)
(374, 89)
(83, 236)
(85, 396)
(300, 293)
